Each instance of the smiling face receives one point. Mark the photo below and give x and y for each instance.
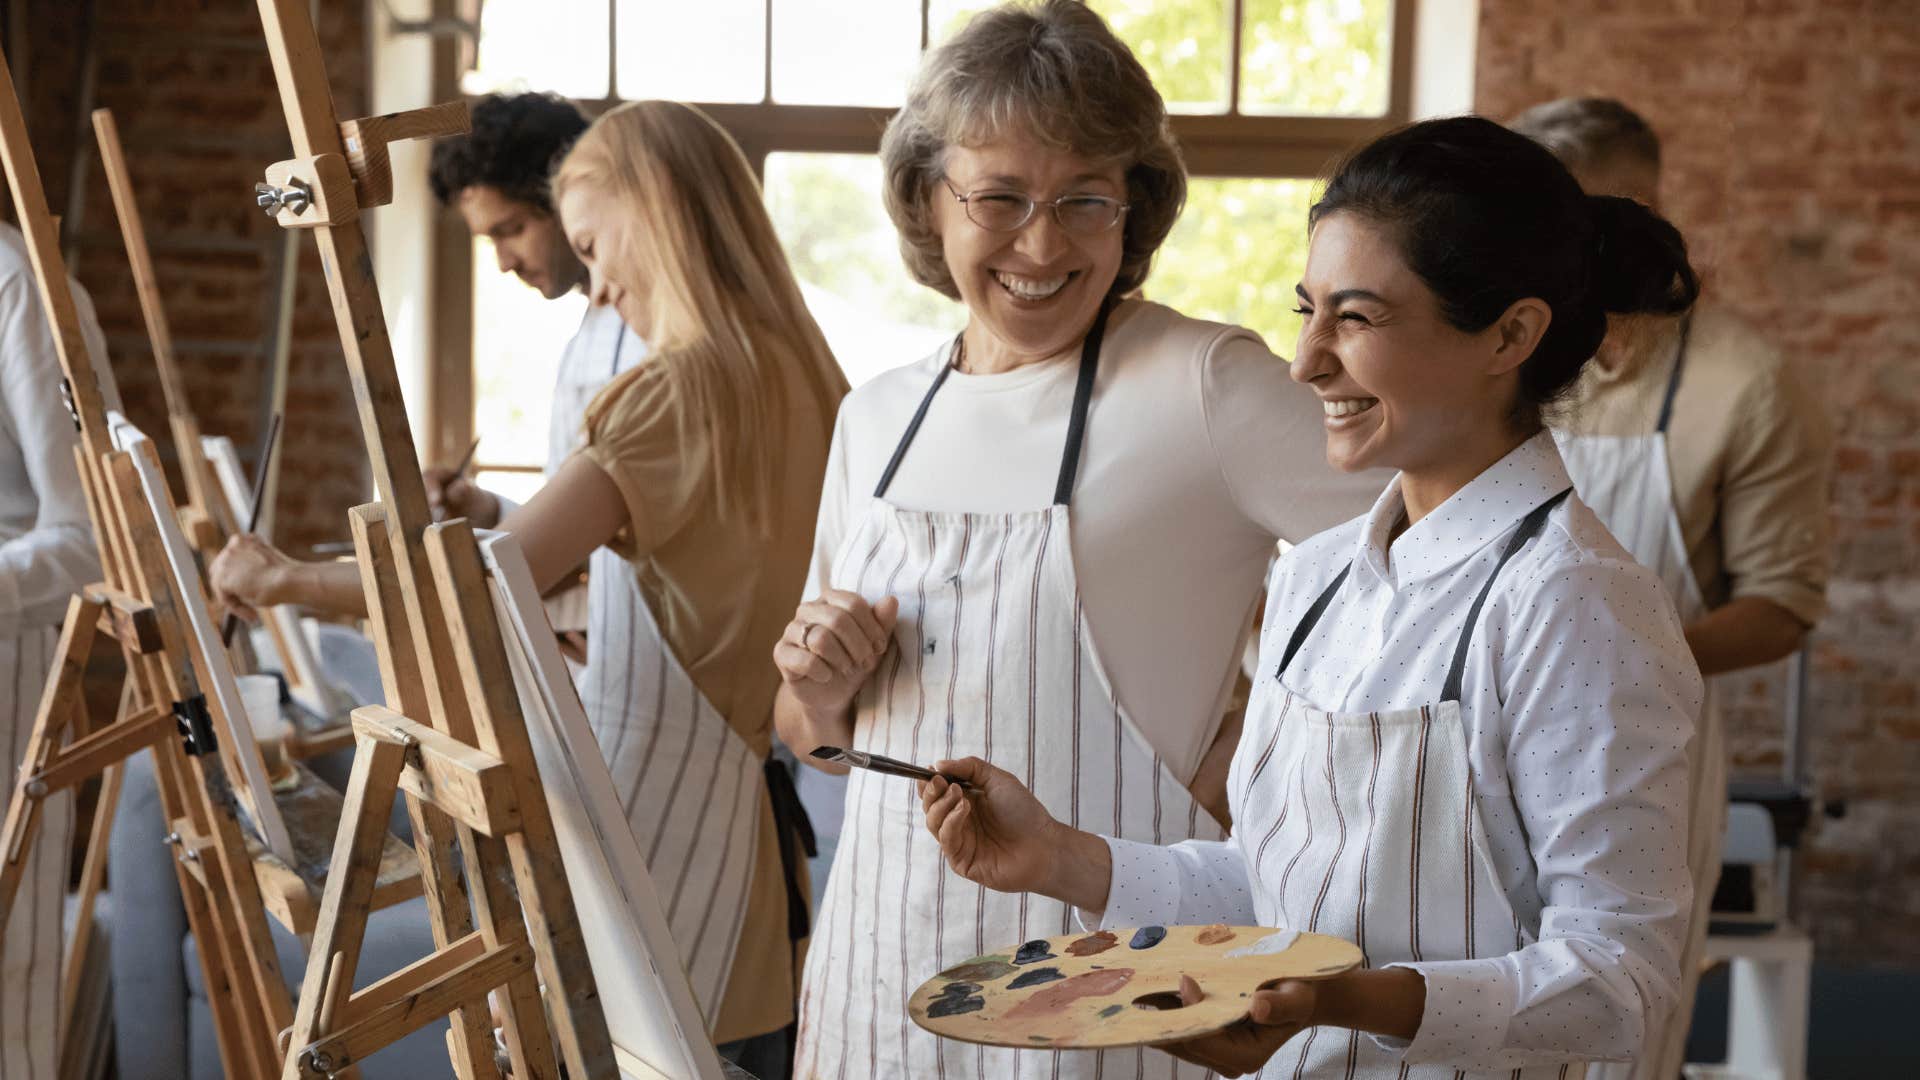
(1401, 387)
(1032, 292)
(527, 241)
(593, 234)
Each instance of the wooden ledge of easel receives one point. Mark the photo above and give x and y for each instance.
(129, 621)
(291, 894)
(302, 745)
(471, 785)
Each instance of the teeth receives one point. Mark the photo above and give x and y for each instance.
(1349, 406)
(1030, 288)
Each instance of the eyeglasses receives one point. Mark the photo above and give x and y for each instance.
(1000, 210)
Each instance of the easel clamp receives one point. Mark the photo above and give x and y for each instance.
(328, 189)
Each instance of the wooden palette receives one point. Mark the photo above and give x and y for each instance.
(1116, 988)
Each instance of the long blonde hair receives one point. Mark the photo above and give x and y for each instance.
(723, 308)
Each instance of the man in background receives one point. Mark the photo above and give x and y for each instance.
(1693, 441)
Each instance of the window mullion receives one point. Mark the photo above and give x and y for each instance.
(613, 51)
(1235, 27)
(766, 59)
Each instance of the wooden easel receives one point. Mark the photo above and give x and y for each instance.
(229, 882)
(135, 605)
(453, 739)
(209, 516)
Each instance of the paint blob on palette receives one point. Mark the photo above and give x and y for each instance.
(1120, 987)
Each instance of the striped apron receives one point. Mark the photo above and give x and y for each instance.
(990, 657)
(1364, 825)
(690, 785)
(30, 947)
(1627, 482)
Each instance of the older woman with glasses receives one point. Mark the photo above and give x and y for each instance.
(1043, 544)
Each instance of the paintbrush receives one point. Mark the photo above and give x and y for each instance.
(459, 469)
(884, 765)
(232, 622)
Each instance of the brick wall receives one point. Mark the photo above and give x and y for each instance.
(193, 92)
(1792, 138)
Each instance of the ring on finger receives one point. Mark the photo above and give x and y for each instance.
(806, 632)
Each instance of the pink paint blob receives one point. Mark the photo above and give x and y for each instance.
(1054, 999)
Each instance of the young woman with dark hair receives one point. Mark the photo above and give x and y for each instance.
(1467, 745)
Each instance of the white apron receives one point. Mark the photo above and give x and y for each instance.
(1365, 826)
(691, 786)
(991, 657)
(1628, 483)
(30, 948)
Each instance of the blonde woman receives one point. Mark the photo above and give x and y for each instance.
(702, 468)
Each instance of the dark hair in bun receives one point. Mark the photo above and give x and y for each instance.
(1486, 216)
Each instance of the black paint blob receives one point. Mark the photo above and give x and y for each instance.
(1035, 978)
(955, 1005)
(1035, 951)
(1147, 937)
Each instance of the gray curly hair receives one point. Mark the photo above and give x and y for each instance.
(1051, 70)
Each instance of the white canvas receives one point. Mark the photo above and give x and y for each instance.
(246, 769)
(650, 1008)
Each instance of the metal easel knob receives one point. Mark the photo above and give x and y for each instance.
(294, 198)
(317, 1063)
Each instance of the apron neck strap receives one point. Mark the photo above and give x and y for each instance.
(1673, 379)
(1076, 422)
(1530, 527)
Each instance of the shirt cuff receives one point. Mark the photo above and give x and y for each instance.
(1469, 1009)
(1145, 888)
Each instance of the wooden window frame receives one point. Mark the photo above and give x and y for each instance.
(1231, 144)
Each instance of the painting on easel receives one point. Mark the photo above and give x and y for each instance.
(650, 1008)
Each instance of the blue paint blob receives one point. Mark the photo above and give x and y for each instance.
(1147, 937)
(1035, 978)
(955, 1005)
(1111, 1010)
(1035, 951)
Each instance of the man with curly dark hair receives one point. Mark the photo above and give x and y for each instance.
(496, 176)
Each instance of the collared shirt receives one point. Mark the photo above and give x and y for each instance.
(1748, 450)
(1579, 698)
(46, 538)
(603, 347)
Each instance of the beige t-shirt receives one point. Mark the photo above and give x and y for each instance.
(722, 595)
(1200, 453)
(1748, 448)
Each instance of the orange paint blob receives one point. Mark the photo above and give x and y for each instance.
(1054, 999)
(1213, 935)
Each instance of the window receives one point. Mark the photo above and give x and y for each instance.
(1265, 93)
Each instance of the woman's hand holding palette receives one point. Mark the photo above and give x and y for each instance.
(1114, 988)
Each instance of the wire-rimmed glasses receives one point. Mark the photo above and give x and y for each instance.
(1005, 210)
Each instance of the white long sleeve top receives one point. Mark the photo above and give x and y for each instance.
(46, 539)
(1579, 700)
